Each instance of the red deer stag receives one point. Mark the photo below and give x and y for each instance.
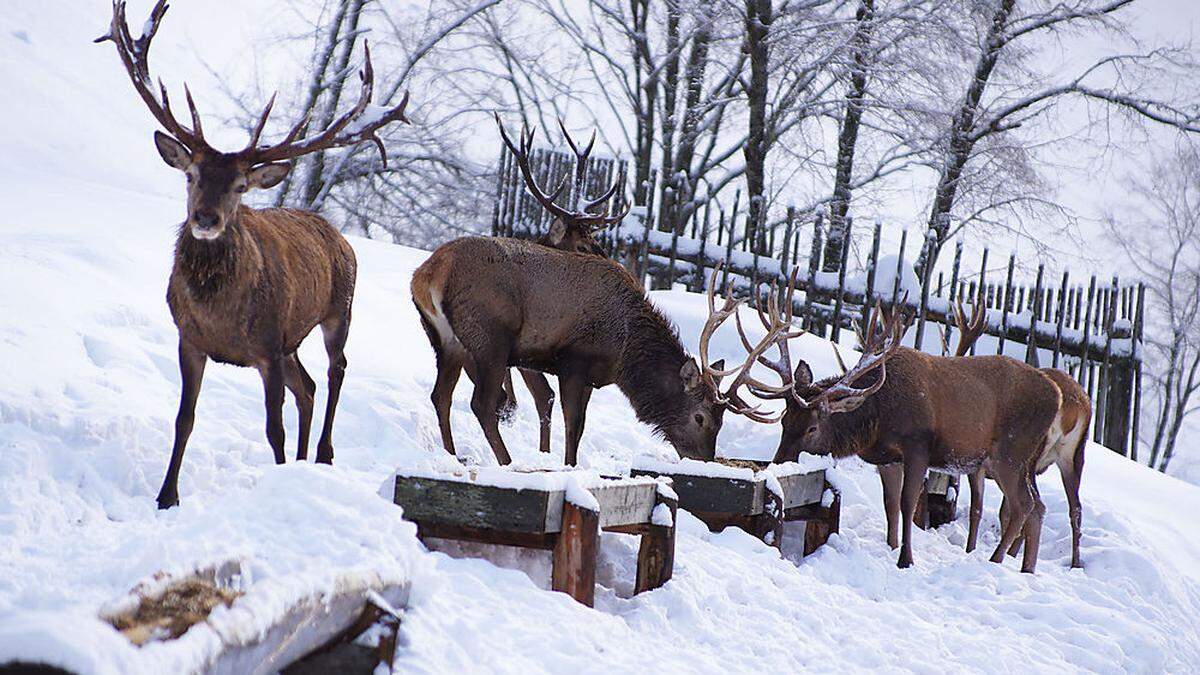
(899, 405)
(1064, 445)
(247, 284)
(485, 305)
(573, 229)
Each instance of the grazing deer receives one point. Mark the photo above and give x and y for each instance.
(900, 405)
(573, 229)
(485, 305)
(248, 285)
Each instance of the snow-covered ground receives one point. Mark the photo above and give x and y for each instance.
(89, 387)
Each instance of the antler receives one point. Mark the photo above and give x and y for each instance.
(777, 324)
(135, 56)
(880, 342)
(579, 216)
(969, 330)
(356, 125)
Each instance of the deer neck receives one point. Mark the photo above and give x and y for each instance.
(856, 430)
(210, 269)
(649, 375)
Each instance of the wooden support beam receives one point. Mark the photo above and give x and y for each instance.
(656, 553)
(573, 570)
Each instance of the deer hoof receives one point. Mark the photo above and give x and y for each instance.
(904, 562)
(166, 503)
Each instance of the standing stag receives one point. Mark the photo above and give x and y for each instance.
(1064, 445)
(247, 284)
(898, 405)
(573, 229)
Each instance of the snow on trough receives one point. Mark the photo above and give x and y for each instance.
(89, 386)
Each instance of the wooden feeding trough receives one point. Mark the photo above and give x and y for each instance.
(938, 504)
(757, 500)
(560, 511)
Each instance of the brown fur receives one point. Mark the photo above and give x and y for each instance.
(489, 303)
(916, 418)
(246, 288)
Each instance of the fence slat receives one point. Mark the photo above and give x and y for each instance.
(1062, 315)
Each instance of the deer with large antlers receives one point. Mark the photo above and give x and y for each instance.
(248, 285)
(898, 405)
(574, 228)
(1064, 446)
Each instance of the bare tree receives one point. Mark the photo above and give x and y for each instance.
(1162, 240)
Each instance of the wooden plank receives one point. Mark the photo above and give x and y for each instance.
(430, 500)
(624, 503)
(573, 570)
(487, 536)
(802, 489)
(735, 496)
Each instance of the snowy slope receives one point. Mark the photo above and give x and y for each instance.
(89, 386)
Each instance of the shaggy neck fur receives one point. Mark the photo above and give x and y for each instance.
(849, 433)
(650, 364)
(209, 266)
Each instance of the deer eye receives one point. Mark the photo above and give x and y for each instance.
(811, 430)
(699, 419)
(240, 189)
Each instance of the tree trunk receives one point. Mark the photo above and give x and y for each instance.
(848, 137)
(647, 95)
(697, 64)
(758, 26)
(962, 142)
(670, 183)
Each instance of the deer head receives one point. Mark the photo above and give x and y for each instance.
(808, 423)
(217, 180)
(574, 226)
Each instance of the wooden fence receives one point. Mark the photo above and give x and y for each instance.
(1091, 328)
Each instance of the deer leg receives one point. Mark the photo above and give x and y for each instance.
(1033, 526)
(1070, 479)
(575, 395)
(543, 400)
(335, 332)
(976, 479)
(298, 381)
(890, 477)
(1019, 504)
(915, 466)
(191, 370)
(508, 398)
(272, 376)
(448, 370)
(489, 385)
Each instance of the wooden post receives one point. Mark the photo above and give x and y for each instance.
(787, 240)
(958, 246)
(656, 553)
(1116, 381)
(728, 249)
(699, 277)
(899, 269)
(814, 260)
(828, 521)
(1062, 315)
(1084, 371)
(1136, 355)
(1031, 352)
(872, 266)
(573, 569)
(927, 255)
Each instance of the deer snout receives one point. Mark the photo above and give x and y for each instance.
(206, 224)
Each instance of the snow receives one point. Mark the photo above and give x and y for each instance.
(88, 393)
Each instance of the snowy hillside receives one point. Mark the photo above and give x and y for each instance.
(89, 386)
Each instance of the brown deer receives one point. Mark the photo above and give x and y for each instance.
(485, 305)
(1064, 445)
(898, 405)
(248, 285)
(573, 229)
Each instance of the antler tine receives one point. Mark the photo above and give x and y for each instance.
(883, 340)
(187, 94)
(522, 157)
(262, 122)
(351, 128)
(715, 319)
(135, 56)
(581, 164)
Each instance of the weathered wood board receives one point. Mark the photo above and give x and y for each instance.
(741, 496)
(802, 489)
(431, 500)
(624, 502)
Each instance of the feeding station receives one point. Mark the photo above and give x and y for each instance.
(758, 500)
(938, 504)
(560, 511)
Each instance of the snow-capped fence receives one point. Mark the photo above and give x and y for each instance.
(1093, 330)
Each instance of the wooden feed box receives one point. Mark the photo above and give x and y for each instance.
(938, 504)
(721, 496)
(544, 510)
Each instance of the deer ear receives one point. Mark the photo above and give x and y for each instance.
(803, 375)
(558, 232)
(268, 175)
(719, 364)
(690, 374)
(172, 151)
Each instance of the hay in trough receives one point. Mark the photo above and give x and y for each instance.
(172, 611)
